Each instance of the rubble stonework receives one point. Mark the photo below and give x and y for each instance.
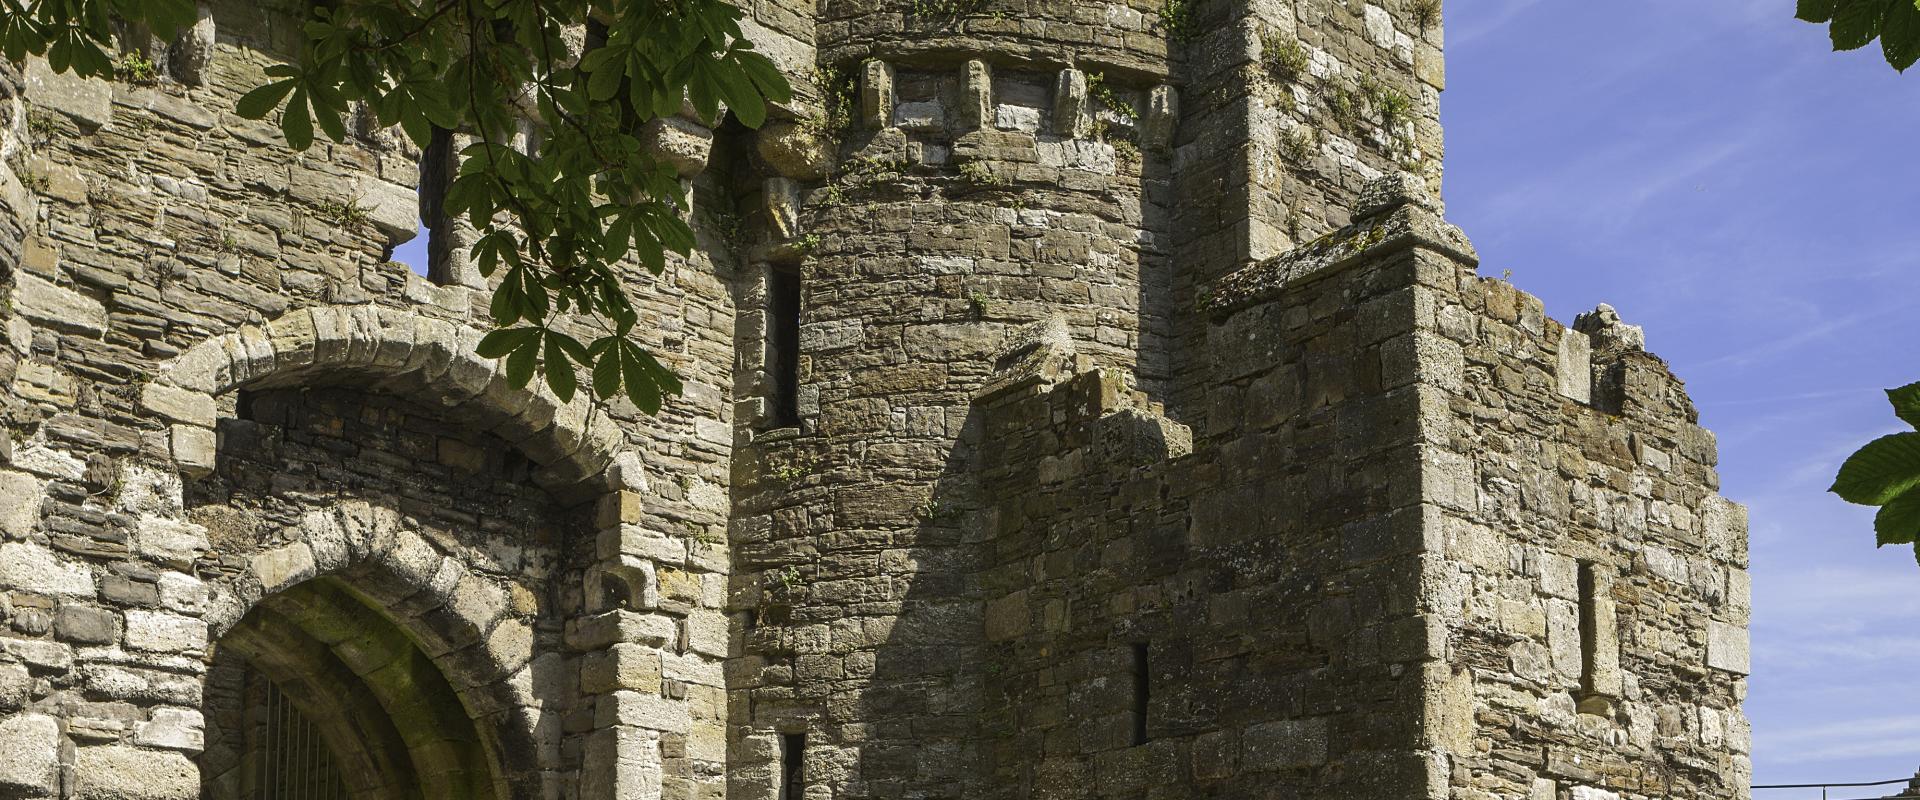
(1150, 434)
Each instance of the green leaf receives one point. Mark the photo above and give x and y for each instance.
(640, 387)
(1899, 521)
(1882, 470)
(606, 373)
(1814, 10)
(295, 124)
(520, 366)
(1906, 403)
(260, 102)
(501, 342)
(560, 375)
(1900, 38)
(1857, 22)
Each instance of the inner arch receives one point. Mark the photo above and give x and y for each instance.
(386, 714)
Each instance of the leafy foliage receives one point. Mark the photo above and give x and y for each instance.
(1886, 473)
(554, 226)
(1854, 24)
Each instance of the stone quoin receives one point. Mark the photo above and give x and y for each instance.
(1083, 400)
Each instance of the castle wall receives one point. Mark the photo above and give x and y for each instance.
(1573, 477)
(165, 261)
(1143, 446)
(975, 190)
(1258, 565)
(1432, 544)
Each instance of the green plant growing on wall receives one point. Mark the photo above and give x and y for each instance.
(135, 67)
(1286, 59)
(1176, 17)
(838, 97)
(346, 214)
(1298, 144)
(41, 127)
(1393, 106)
(1886, 473)
(556, 228)
(31, 178)
(978, 173)
(947, 12)
(796, 467)
(1426, 13)
(1344, 105)
(979, 303)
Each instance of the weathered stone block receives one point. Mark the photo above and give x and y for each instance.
(682, 143)
(282, 567)
(193, 449)
(58, 307)
(165, 632)
(20, 510)
(171, 729)
(1072, 110)
(119, 772)
(89, 101)
(86, 625)
(1286, 744)
(876, 94)
(623, 666)
(169, 541)
(29, 567)
(29, 756)
(1727, 647)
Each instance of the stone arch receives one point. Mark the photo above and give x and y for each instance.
(577, 445)
(410, 662)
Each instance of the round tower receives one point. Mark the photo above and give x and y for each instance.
(969, 173)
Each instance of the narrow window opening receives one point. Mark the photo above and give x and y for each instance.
(437, 168)
(783, 345)
(793, 754)
(1600, 679)
(1141, 682)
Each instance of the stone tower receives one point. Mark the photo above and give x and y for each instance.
(1085, 399)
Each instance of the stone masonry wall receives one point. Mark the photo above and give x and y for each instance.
(170, 271)
(957, 196)
(1258, 565)
(1154, 437)
(1575, 479)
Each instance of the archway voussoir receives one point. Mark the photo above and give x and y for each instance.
(206, 367)
(281, 567)
(294, 338)
(468, 375)
(332, 335)
(434, 342)
(251, 355)
(365, 334)
(327, 539)
(395, 334)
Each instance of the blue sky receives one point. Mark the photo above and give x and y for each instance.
(1711, 169)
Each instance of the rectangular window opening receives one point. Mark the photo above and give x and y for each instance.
(438, 165)
(793, 754)
(783, 345)
(1141, 682)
